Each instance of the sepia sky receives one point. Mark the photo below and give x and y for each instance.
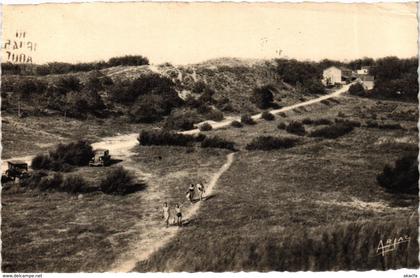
(184, 33)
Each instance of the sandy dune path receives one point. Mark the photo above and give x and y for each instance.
(155, 236)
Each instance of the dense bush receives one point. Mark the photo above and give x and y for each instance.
(217, 142)
(64, 156)
(162, 137)
(262, 97)
(205, 127)
(396, 78)
(119, 181)
(75, 153)
(332, 131)
(236, 124)
(296, 127)
(357, 90)
(270, 143)
(247, 120)
(128, 60)
(293, 71)
(312, 86)
(41, 161)
(182, 119)
(267, 116)
(403, 177)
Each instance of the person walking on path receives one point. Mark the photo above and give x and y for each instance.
(178, 215)
(166, 214)
(190, 192)
(201, 190)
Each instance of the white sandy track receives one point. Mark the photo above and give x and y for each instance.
(143, 249)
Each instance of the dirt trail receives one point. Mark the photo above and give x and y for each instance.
(155, 236)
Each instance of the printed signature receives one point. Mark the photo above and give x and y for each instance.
(390, 244)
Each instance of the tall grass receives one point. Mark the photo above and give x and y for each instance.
(347, 246)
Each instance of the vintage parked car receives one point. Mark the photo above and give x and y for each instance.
(101, 158)
(16, 169)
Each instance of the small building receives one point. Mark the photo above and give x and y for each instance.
(365, 70)
(368, 81)
(337, 75)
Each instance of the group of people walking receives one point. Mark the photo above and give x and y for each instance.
(190, 194)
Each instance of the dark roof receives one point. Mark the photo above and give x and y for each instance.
(17, 162)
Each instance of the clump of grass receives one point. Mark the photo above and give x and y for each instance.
(119, 181)
(247, 120)
(236, 124)
(403, 177)
(333, 131)
(296, 128)
(271, 143)
(205, 127)
(267, 116)
(217, 142)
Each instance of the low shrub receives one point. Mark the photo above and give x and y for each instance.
(325, 101)
(51, 183)
(383, 125)
(75, 184)
(247, 120)
(296, 128)
(271, 143)
(341, 115)
(353, 123)
(217, 142)
(205, 127)
(236, 124)
(119, 181)
(282, 125)
(307, 121)
(321, 121)
(333, 131)
(162, 137)
(282, 114)
(267, 116)
(403, 177)
(215, 115)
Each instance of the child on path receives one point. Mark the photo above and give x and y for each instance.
(201, 190)
(178, 214)
(190, 193)
(166, 213)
